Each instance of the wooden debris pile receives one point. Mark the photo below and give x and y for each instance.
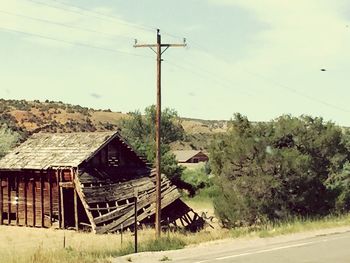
(110, 205)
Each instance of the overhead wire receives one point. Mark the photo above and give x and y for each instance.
(272, 81)
(149, 29)
(138, 26)
(212, 77)
(222, 81)
(114, 36)
(220, 78)
(81, 44)
(102, 16)
(181, 38)
(96, 14)
(302, 94)
(86, 11)
(266, 79)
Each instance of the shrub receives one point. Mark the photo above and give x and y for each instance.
(197, 178)
(285, 168)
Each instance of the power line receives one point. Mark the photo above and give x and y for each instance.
(81, 44)
(293, 90)
(98, 15)
(146, 28)
(142, 27)
(275, 83)
(222, 81)
(174, 36)
(62, 24)
(311, 98)
(212, 76)
(150, 29)
(95, 14)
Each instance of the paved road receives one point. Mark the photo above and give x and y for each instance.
(331, 249)
(327, 247)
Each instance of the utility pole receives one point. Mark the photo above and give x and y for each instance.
(158, 49)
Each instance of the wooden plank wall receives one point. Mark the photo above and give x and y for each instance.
(26, 194)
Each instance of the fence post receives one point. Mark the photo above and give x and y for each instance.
(121, 235)
(135, 218)
(168, 227)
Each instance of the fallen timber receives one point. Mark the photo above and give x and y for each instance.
(110, 205)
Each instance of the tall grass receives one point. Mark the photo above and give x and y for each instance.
(293, 225)
(304, 224)
(44, 246)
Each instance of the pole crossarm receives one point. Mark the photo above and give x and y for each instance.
(145, 45)
(157, 48)
(173, 45)
(162, 45)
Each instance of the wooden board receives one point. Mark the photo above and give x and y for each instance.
(110, 205)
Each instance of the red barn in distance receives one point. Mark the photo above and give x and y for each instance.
(84, 180)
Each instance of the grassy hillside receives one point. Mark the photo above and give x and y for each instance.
(50, 116)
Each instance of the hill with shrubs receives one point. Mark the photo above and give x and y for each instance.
(20, 118)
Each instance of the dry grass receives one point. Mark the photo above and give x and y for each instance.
(301, 225)
(22, 245)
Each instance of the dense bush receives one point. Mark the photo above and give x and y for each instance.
(198, 178)
(284, 168)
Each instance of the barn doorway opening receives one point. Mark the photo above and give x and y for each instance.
(68, 207)
(70, 215)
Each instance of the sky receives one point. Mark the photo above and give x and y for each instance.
(262, 58)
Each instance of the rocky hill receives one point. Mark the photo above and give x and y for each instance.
(33, 116)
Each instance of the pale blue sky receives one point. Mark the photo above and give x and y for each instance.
(258, 57)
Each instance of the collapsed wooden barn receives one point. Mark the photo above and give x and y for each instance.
(84, 180)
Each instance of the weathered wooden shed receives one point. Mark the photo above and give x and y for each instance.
(83, 180)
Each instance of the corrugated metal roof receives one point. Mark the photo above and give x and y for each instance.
(45, 150)
(185, 155)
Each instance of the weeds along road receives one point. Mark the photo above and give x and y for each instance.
(321, 247)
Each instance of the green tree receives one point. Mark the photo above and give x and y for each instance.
(271, 171)
(340, 183)
(339, 180)
(197, 177)
(139, 130)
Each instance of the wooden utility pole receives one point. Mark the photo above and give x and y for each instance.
(159, 51)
